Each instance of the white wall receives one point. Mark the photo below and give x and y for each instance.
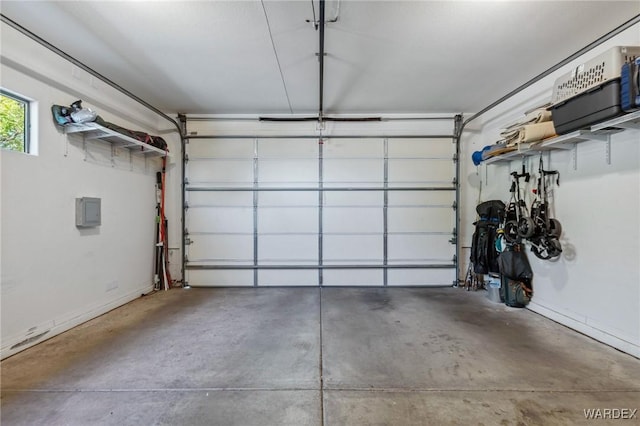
(54, 275)
(594, 287)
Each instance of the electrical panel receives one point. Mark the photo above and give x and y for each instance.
(88, 212)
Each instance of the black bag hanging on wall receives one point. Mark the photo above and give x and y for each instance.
(484, 255)
(515, 277)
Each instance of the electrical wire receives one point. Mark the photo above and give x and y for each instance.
(273, 45)
(315, 21)
(337, 14)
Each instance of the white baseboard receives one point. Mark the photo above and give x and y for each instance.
(587, 329)
(65, 322)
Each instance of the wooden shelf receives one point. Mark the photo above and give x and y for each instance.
(599, 132)
(95, 131)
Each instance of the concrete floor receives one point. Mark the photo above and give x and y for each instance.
(304, 356)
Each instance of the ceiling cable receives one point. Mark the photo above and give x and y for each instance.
(315, 21)
(273, 45)
(337, 14)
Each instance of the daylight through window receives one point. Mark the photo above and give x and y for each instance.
(14, 122)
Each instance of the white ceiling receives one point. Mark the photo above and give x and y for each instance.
(382, 57)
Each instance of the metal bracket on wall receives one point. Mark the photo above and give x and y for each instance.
(574, 156)
(454, 239)
(607, 147)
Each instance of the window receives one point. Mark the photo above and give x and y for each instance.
(14, 122)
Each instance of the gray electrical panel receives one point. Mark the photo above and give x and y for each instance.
(88, 212)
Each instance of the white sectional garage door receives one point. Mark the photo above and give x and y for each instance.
(296, 212)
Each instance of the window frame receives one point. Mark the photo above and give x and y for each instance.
(27, 118)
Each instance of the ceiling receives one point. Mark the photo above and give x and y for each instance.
(259, 57)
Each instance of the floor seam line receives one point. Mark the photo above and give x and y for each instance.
(311, 389)
(425, 390)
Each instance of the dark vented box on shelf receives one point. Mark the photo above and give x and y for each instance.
(588, 108)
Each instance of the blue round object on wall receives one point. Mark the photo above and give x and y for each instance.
(477, 158)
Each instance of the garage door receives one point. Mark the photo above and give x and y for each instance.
(342, 211)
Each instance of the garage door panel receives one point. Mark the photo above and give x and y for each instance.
(419, 219)
(353, 249)
(426, 249)
(288, 219)
(231, 173)
(288, 148)
(421, 198)
(213, 219)
(426, 172)
(220, 278)
(288, 198)
(360, 277)
(352, 173)
(420, 277)
(221, 249)
(287, 249)
(288, 173)
(280, 226)
(350, 198)
(220, 148)
(352, 219)
(353, 148)
(197, 199)
(284, 277)
(431, 148)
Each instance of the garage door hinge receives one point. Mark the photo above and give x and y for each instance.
(455, 182)
(186, 158)
(455, 158)
(186, 206)
(455, 259)
(454, 205)
(186, 181)
(188, 241)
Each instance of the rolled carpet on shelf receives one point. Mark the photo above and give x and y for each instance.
(532, 117)
(529, 133)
